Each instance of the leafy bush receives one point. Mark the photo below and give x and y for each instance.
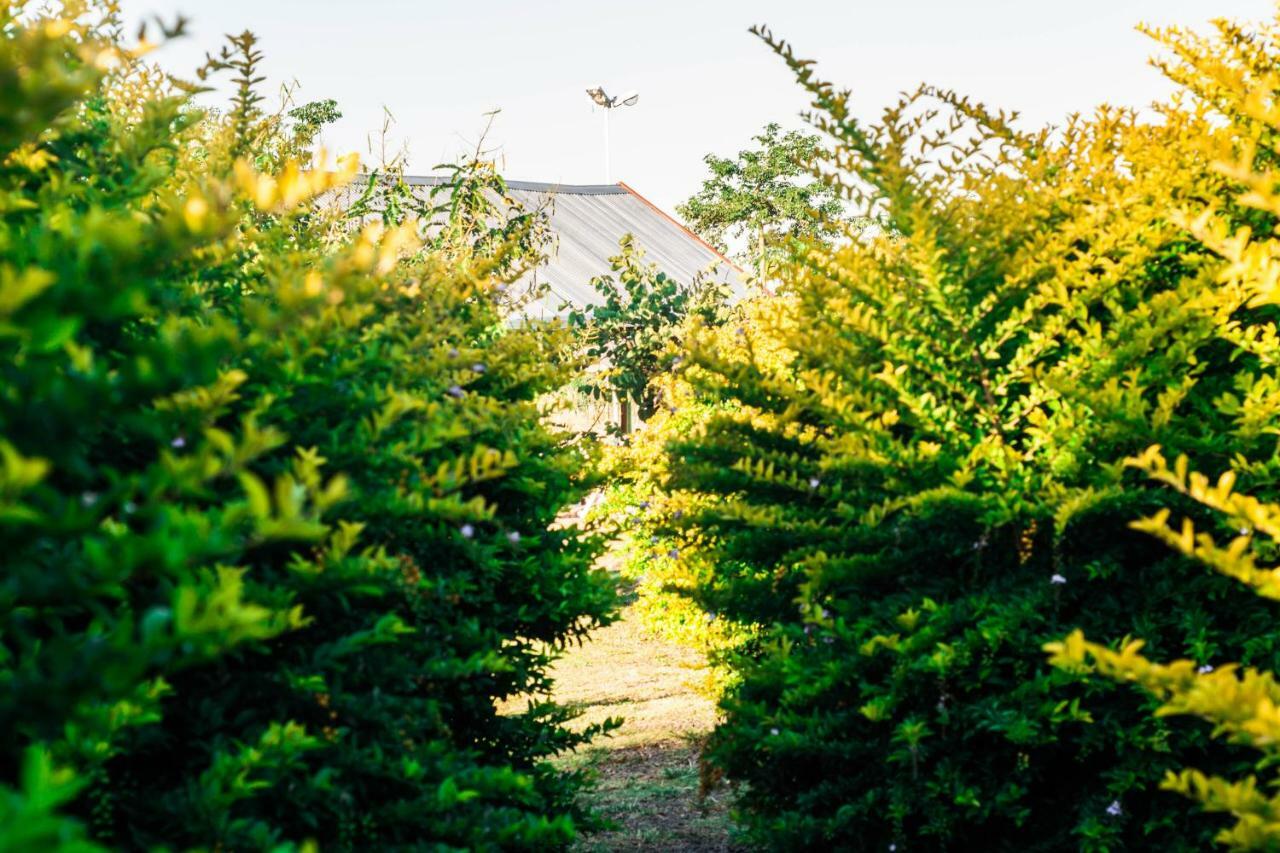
(676, 572)
(1229, 531)
(276, 500)
(630, 332)
(1240, 702)
(913, 477)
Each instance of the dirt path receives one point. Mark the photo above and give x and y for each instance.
(648, 770)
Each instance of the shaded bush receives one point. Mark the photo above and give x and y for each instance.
(276, 499)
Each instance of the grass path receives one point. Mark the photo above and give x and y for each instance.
(648, 770)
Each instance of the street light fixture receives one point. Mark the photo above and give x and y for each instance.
(601, 99)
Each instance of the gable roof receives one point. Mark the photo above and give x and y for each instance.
(588, 221)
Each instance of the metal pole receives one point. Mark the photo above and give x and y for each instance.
(608, 172)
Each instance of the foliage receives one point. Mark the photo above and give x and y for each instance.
(1240, 702)
(276, 500)
(241, 56)
(758, 197)
(1231, 532)
(638, 319)
(911, 472)
(665, 565)
(467, 216)
(677, 571)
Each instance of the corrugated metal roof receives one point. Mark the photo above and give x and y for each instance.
(588, 221)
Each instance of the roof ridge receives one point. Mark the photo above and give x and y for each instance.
(527, 186)
(685, 228)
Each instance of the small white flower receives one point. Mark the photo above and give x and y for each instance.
(513, 537)
(1206, 669)
(467, 531)
(814, 482)
(455, 391)
(478, 368)
(453, 352)
(178, 442)
(1114, 809)
(773, 731)
(1057, 579)
(89, 498)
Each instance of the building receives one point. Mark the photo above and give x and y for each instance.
(588, 221)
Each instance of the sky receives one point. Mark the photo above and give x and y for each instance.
(706, 85)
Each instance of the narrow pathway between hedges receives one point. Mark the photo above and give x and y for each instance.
(648, 770)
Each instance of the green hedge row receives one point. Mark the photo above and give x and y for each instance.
(276, 499)
(914, 473)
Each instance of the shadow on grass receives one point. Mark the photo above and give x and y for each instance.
(650, 795)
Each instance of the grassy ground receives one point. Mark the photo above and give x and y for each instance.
(648, 770)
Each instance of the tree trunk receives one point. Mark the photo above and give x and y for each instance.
(624, 415)
(760, 253)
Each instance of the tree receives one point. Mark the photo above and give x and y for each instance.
(639, 318)
(758, 197)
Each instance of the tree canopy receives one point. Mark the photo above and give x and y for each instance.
(760, 197)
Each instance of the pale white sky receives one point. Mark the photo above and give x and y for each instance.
(705, 83)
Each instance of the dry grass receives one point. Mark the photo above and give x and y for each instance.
(650, 793)
(647, 771)
(624, 671)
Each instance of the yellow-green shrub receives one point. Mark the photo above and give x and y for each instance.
(912, 474)
(1241, 702)
(1235, 533)
(679, 578)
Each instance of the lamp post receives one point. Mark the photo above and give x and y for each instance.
(597, 94)
(601, 99)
